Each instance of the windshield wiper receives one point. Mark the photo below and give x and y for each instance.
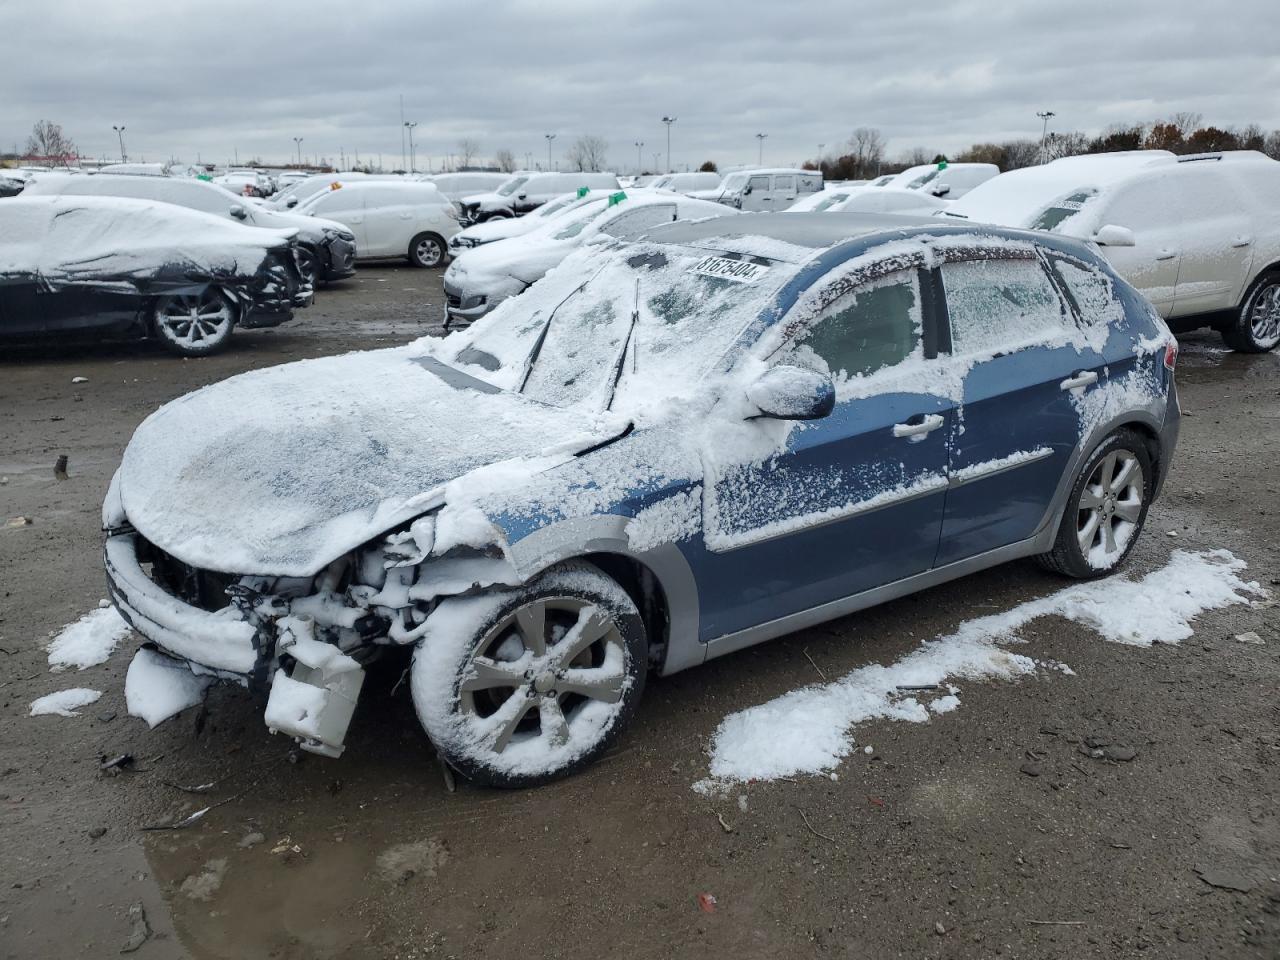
(532, 358)
(622, 354)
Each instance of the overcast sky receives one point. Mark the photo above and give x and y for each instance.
(216, 78)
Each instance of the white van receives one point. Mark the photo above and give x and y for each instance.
(390, 218)
(455, 186)
(764, 189)
(685, 182)
(527, 191)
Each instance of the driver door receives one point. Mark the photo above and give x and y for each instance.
(833, 507)
(757, 194)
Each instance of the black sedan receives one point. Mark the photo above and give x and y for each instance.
(111, 267)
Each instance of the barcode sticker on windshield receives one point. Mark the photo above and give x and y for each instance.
(739, 271)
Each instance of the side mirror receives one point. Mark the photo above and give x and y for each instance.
(789, 392)
(942, 189)
(1113, 236)
(291, 202)
(746, 191)
(239, 212)
(523, 196)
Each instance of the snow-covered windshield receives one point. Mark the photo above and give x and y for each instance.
(511, 186)
(829, 200)
(580, 219)
(1052, 217)
(555, 206)
(576, 324)
(919, 182)
(735, 182)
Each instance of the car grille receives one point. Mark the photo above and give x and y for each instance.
(205, 589)
(453, 300)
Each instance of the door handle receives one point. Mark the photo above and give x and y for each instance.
(1085, 378)
(1166, 254)
(1241, 241)
(916, 431)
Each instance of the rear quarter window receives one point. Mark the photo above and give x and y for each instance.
(1092, 291)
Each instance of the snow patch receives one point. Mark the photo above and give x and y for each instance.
(669, 521)
(810, 730)
(64, 703)
(89, 641)
(156, 687)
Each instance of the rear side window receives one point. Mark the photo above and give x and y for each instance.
(785, 183)
(339, 201)
(875, 327)
(996, 306)
(1092, 291)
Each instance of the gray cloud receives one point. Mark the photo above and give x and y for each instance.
(188, 79)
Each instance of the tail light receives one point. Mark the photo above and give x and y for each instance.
(1170, 354)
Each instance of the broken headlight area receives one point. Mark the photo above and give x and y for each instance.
(311, 636)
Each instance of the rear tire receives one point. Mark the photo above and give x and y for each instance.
(1256, 327)
(194, 324)
(1106, 509)
(522, 686)
(427, 250)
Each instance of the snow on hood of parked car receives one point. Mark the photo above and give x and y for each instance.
(282, 470)
(65, 240)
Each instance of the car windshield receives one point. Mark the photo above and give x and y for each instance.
(687, 315)
(580, 219)
(735, 181)
(829, 200)
(555, 206)
(511, 186)
(919, 182)
(1060, 211)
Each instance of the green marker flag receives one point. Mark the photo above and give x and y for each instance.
(942, 164)
(616, 198)
(583, 191)
(205, 177)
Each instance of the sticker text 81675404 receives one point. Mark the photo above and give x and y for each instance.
(726, 268)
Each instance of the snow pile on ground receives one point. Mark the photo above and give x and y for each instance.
(156, 687)
(89, 641)
(64, 703)
(810, 730)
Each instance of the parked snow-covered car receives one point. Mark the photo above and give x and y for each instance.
(110, 266)
(763, 190)
(457, 186)
(870, 200)
(504, 228)
(1198, 235)
(326, 249)
(948, 180)
(12, 182)
(406, 218)
(478, 282)
(528, 191)
(244, 183)
(149, 170)
(308, 187)
(686, 182)
(668, 451)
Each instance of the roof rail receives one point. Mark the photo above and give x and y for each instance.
(1193, 157)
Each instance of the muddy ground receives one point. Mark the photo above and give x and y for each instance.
(937, 845)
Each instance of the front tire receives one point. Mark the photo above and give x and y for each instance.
(522, 686)
(194, 324)
(427, 250)
(1106, 509)
(1256, 328)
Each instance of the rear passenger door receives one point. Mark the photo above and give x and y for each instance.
(784, 191)
(1024, 371)
(1217, 239)
(346, 206)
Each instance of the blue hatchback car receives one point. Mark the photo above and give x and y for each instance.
(665, 452)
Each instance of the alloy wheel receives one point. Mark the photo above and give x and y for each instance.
(1110, 508)
(533, 672)
(428, 251)
(195, 321)
(1264, 317)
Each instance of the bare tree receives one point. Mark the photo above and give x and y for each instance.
(1271, 147)
(1070, 144)
(587, 153)
(506, 161)
(1186, 122)
(917, 156)
(468, 149)
(866, 146)
(47, 141)
(1252, 138)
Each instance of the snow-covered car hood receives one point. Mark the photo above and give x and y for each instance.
(280, 471)
(500, 229)
(527, 259)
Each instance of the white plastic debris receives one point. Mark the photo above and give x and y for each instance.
(79, 379)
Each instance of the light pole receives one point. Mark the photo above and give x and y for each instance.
(410, 124)
(668, 121)
(820, 146)
(1044, 130)
(639, 162)
(760, 157)
(297, 142)
(120, 134)
(550, 137)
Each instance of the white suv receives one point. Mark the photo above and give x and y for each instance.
(1198, 235)
(390, 218)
